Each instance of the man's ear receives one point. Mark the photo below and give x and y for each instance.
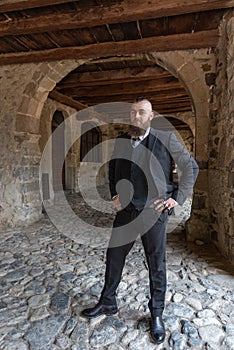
(152, 115)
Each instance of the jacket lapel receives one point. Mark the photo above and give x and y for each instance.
(152, 139)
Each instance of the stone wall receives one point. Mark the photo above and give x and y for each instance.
(15, 174)
(24, 89)
(221, 161)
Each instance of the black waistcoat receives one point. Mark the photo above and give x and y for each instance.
(142, 189)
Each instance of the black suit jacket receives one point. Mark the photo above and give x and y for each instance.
(163, 149)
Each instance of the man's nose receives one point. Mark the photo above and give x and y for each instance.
(137, 115)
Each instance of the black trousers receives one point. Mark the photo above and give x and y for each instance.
(151, 226)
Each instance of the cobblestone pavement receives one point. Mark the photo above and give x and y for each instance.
(46, 279)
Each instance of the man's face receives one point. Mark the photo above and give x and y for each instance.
(141, 114)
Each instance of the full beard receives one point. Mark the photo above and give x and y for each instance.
(136, 131)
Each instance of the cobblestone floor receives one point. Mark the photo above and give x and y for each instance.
(46, 279)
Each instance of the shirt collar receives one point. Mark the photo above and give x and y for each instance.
(142, 137)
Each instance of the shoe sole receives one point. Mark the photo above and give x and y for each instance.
(104, 313)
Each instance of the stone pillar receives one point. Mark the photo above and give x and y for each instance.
(14, 167)
(26, 174)
(197, 225)
(196, 69)
(221, 163)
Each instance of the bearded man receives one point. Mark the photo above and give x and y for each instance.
(143, 194)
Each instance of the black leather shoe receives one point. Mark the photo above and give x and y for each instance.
(99, 310)
(157, 329)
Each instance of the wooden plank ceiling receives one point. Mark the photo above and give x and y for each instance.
(111, 33)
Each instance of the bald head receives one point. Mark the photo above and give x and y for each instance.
(146, 102)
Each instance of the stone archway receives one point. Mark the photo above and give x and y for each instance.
(44, 79)
(185, 65)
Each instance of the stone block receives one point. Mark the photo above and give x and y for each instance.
(54, 75)
(28, 106)
(31, 197)
(26, 173)
(41, 95)
(44, 68)
(231, 179)
(30, 149)
(47, 84)
(27, 160)
(202, 181)
(30, 89)
(60, 303)
(30, 186)
(27, 123)
(202, 164)
(49, 328)
(199, 202)
(37, 76)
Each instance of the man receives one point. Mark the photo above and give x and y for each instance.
(144, 157)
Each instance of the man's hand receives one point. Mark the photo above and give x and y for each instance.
(162, 204)
(116, 203)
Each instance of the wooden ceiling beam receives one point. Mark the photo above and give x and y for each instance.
(91, 83)
(127, 57)
(19, 5)
(113, 76)
(161, 98)
(175, 110)
(66, 100)
(148, 80)
(163, 109)
(177, 101)
(124, 89)
(185, 41)
(101, 15)
(125, 103)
